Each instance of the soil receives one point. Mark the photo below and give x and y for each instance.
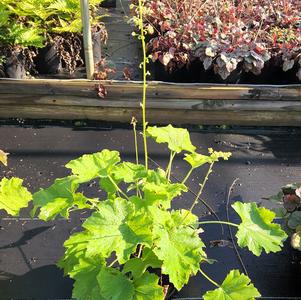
(262, 160)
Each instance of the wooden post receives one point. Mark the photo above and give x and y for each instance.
(88, 47)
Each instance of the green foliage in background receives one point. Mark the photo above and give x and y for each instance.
(29, 22)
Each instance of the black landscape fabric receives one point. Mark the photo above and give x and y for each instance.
(29, 249)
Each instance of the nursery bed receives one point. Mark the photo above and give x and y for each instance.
(167, 102)
(29, 248)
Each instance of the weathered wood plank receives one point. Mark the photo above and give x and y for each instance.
(171, 104)
(164, 116)
(167, 103)
(124, 89)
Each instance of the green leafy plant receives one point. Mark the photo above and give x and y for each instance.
(134, 237)
(34, 24)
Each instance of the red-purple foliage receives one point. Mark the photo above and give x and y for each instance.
(225, 34)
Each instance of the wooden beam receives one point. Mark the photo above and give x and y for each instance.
(167, 103)
(132, 89)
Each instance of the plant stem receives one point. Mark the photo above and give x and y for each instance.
(187, 176)
(118, 188)
(140, 251)
(202, 187)
(113, 262)
(217, 222)
(209, 279)
(142, 37)
(196, 200)
(134, 123)
(168, 170)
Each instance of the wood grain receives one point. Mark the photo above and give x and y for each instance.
(167, 103)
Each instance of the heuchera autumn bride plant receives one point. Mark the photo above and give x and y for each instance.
(225, 34)
(134, 237)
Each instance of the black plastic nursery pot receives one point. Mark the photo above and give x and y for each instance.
(48, 60)
(15, 65)
(108, 4)
(296, 261)
(29, 249)
(194, 72)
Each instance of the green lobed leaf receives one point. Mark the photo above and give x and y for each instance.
(147, 287)
(215, 156)
(109, 187)
(75, 249)
(116, 227)
(236, 286)
(178, 246)
(256, 231)
(91, 166)
(52, 209)
(137, 266)
(59, 198)
(294, 220)
(115, 285)
(280, 212)
(278, 198)
(85, 285)
(197, 160)
(13, 196)
(156, 176)
(129, 172)
(177, 139)
(162, 194)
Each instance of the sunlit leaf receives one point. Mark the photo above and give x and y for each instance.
(91, 166)
(129, 172)
(59, 198)
(177, 139)
(215, 156)
(256, 231)
(196, 160)
(179, 247)
(157, 176)
(116, 227)
(3, 157)
(162, 194)
(75, 250)
(236, 286)
(13, 196)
